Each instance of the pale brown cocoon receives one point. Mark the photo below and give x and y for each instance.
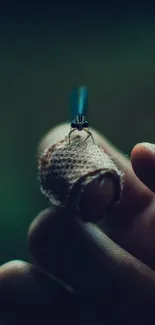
(82, 176)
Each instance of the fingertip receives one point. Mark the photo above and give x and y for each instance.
(29, 295)
(143, 150)
(137, 156)
(12, 268)
(47, 213)
(139, 150)
(143, 163)
(37, 228)
(41, 229)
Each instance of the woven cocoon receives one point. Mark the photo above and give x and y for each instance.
(67, 169)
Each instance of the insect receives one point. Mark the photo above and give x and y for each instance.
(79, 102)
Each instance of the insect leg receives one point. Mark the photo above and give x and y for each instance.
(69, 135)
(89, 135)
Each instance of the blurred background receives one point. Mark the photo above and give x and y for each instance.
(46, 50)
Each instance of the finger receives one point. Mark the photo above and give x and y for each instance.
(29, 296)
(89, 261)
(143, 163)
(131, 223)
(134, 191)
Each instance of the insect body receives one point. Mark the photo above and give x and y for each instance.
(79, 102)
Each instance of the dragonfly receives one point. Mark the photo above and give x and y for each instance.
(79, 103)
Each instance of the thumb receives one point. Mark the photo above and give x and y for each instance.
(143, 163)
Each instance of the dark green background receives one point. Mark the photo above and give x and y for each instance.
(44, 52)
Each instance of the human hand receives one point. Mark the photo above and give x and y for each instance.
(112, 286)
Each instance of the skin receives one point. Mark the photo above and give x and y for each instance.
(107, 271)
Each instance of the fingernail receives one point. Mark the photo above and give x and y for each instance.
(150, 146)
(95, 194)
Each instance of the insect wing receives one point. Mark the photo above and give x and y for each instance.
(79, 101)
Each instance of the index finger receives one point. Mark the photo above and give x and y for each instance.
(134, 190)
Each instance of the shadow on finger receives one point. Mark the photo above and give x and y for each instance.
(29, 296)
(82, 256)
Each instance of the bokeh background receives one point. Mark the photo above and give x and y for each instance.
(45, 50)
